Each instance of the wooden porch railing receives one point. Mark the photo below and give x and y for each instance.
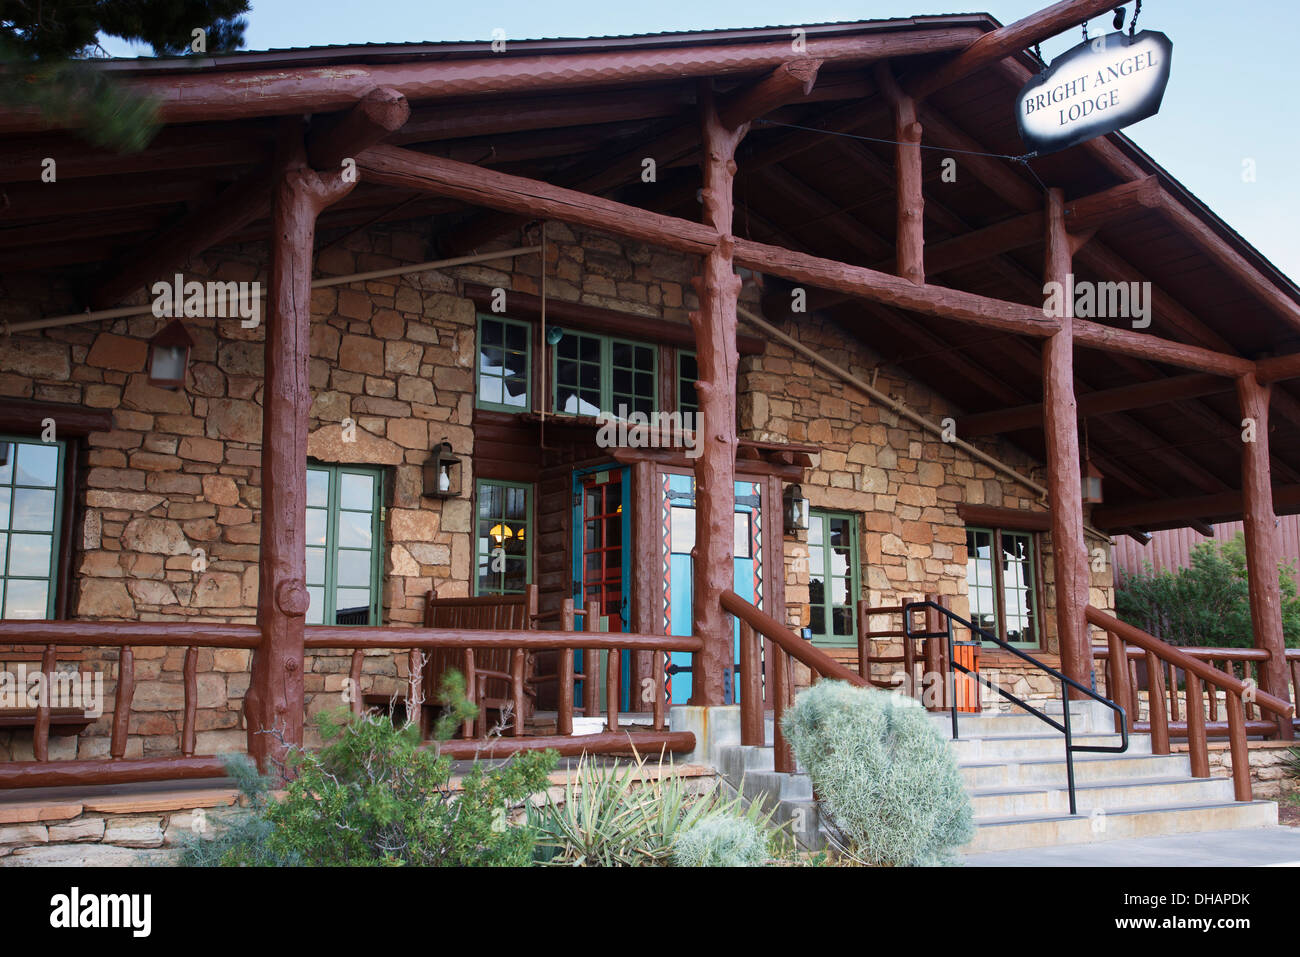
(118, 769)
(1161, 657)
(782, 646)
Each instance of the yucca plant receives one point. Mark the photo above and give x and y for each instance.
(1291, 763)
(617, 815)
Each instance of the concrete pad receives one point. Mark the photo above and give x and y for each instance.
(1247, 847)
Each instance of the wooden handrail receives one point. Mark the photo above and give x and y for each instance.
(353, 636)
(116, 634)
(788, 641)
(1224, 654)
(1181, 659)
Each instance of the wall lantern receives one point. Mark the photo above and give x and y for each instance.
(553, 335)
(442, 472)
(1091, 484)
(169, 356)
(795, 509)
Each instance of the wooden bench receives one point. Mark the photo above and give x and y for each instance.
(495, 678)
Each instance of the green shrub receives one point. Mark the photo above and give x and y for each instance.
(721, 840)
(617, 815)
(1291, 763)
(1205, 604)
(373, 796)
(242, 839)
(886, 780)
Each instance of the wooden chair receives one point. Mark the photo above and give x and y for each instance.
(494, 677)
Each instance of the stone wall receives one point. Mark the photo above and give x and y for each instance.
(170, 497)
(903, 482)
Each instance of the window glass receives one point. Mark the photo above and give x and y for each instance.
(503, 363)
(504, 538)
(344, 543)
(31, 520)
(1001, 585)
(833, 576)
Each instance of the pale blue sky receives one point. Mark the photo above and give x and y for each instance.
(1230, 96)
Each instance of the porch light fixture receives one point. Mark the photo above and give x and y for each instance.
(442, 472)
(169, 356)
(795, 509)
(1091, 484)
(553, 335)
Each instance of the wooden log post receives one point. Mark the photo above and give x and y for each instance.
(1065, 493)
(909, 242)
(274, 703)
(714, 323)
(1263, 542)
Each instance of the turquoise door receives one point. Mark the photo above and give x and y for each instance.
(679, 539)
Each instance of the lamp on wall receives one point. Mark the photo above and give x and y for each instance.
(169, 356)
(795, 509)
(442, 472)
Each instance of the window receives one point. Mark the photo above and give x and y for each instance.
(503, 363)
(31, 523)
(1001, 578)
(505, 538)
(688, 371)
(595, 373)
(833, 577)
(344, 544)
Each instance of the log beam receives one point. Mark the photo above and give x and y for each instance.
(1008, 41)
(1179, 512)
(1263, 543)
(718, 288)
(207, 95)
(371, 119)
(410, 170)
(274, 705)
(1104, 402)
(909, 241)
(1065, 494)
(791, 81)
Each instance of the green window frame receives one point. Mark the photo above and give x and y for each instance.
(504, 363)
(345, 544)
(834, 577)
(593, 374)
(688, 371)
(1002, 584)
(31, 526)
(504, 531)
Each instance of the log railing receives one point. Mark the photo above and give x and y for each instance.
(783, 645)
(117, 768)
(1162, 661)
(418, 641)
(193, 636)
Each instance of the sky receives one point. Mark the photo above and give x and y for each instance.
(1230, 102)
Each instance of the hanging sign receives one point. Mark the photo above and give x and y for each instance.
(1102, 85)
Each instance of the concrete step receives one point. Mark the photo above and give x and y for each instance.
(1028, 800)
(993, 773)
(1051, 830)
(974, 725)
(1022, 747)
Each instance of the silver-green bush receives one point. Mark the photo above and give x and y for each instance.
(887, 782)
(721, 840)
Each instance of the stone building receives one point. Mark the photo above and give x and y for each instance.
(460, 293)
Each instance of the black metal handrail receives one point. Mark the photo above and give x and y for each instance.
(1066, 683)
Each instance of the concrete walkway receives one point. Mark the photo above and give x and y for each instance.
(1251, 847)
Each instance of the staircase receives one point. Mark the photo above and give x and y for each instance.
(1014, 768)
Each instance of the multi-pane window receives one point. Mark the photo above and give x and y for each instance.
(344, 544)
(31, 519)
(595, 374)
(503, 363)
(832, 576)
(1001, 570)
(688, 371)
(505, 538)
